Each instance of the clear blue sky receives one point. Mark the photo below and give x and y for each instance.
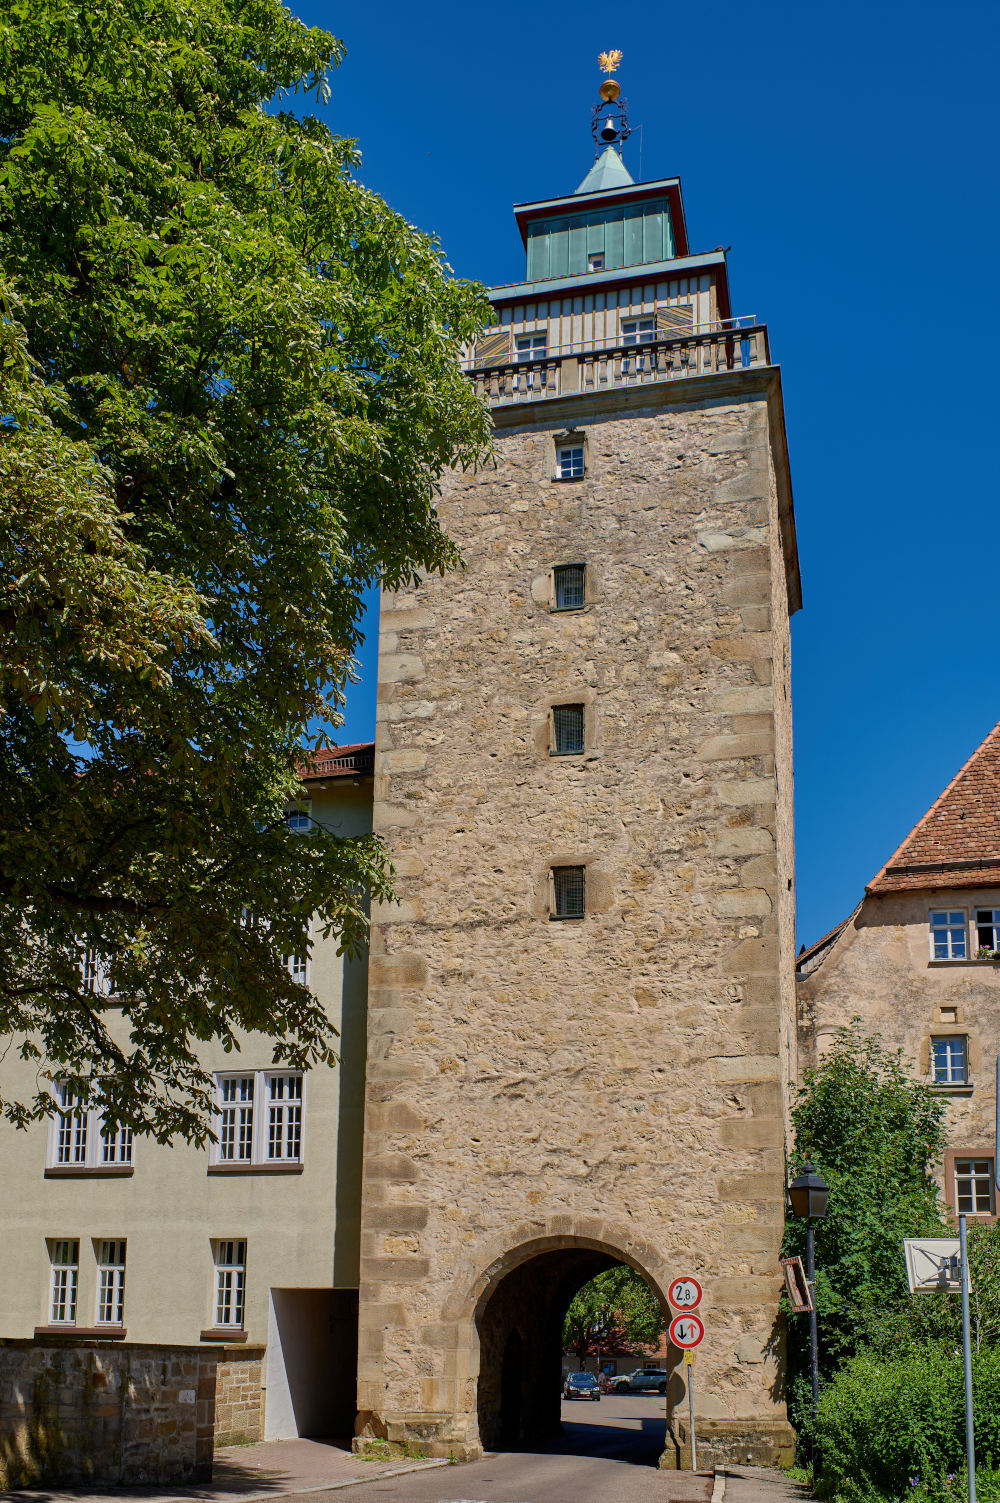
(847, 154)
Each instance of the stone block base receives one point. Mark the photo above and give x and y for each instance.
(434, 1434)
(739, 1442)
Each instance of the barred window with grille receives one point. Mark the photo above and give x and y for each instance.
(568, 892)
(64, 1256)
(569, 581)
(568, 729)
(111, 1282)
(569, 462)
(230, 1282)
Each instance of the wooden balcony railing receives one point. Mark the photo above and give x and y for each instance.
(738, 345)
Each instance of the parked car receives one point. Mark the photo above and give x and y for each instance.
(643, 1380)
(581, 1386)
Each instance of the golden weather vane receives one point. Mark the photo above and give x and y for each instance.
(608, 61)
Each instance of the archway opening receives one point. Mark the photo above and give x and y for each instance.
(527, 1350)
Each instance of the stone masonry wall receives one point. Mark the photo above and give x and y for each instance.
(238, 1411)
(613, 1083)
(880, 969)
(72, 1413)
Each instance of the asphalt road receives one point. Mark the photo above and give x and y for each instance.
(607, 1454)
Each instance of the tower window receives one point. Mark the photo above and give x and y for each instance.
(568, 892)
(569, 462)
(638, 330)
(569, 583)
(531, 346)
(567, 725)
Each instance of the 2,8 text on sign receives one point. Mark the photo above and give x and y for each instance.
(684, 1294)
(686, 1331)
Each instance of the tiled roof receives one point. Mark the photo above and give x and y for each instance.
(339, 761)
(809, 959)
(957, 842)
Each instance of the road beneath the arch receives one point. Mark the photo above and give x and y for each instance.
(607, 1454)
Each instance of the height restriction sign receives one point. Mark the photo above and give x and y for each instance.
(686, 1331)
(684, 1294)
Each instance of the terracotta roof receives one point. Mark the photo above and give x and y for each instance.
(804, 961)
(339, 761)
(957, 842)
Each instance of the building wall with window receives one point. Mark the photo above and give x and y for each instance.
(112, 1240)
(919, 961)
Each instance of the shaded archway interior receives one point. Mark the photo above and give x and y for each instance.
(520, 1346)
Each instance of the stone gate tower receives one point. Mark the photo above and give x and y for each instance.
(580, 1012)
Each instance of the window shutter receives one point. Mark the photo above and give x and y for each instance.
(494, 349)
(674, 320)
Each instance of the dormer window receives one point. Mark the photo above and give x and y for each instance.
(596, 262)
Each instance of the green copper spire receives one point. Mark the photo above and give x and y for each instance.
(609, 171)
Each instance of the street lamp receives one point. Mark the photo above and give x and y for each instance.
(808, 1194)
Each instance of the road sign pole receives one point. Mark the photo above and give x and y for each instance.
(689, 1362)
(970, 1436)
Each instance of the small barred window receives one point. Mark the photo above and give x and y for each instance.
(567, 725)
(569, 583)
(568, 885)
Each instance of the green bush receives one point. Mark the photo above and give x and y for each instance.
(895, 1427)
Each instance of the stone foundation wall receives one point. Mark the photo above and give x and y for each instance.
(239, 1413)
(77, 1413)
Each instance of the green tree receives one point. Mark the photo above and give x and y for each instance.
(616, 1308)
(230, 388)
(873, 1133)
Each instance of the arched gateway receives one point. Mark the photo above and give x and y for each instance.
(580, 1024)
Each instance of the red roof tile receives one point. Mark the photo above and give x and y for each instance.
(339, 761)
(957, 842)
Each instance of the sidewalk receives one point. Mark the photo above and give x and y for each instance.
(758, 1484)
(270, 1469)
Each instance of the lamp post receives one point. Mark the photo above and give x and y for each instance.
(808, 1195)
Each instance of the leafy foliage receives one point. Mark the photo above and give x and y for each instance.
(873, 1134)
(888, 1427)
(617, 1308)
(229, 390)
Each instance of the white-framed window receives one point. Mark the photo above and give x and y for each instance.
(95, 972)
(569, 462)
(988, 930)
(260, 1117)
(531, 346)
(111, 1282)
(78, 1138)
(638, 330)
(570, 586)
(298, 968)
(64, 1258)
(595, 261)
(230, 1282)
(974, 1186)
(299, 819)
(284, 1118)
(949, 937)
(949, 1060)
